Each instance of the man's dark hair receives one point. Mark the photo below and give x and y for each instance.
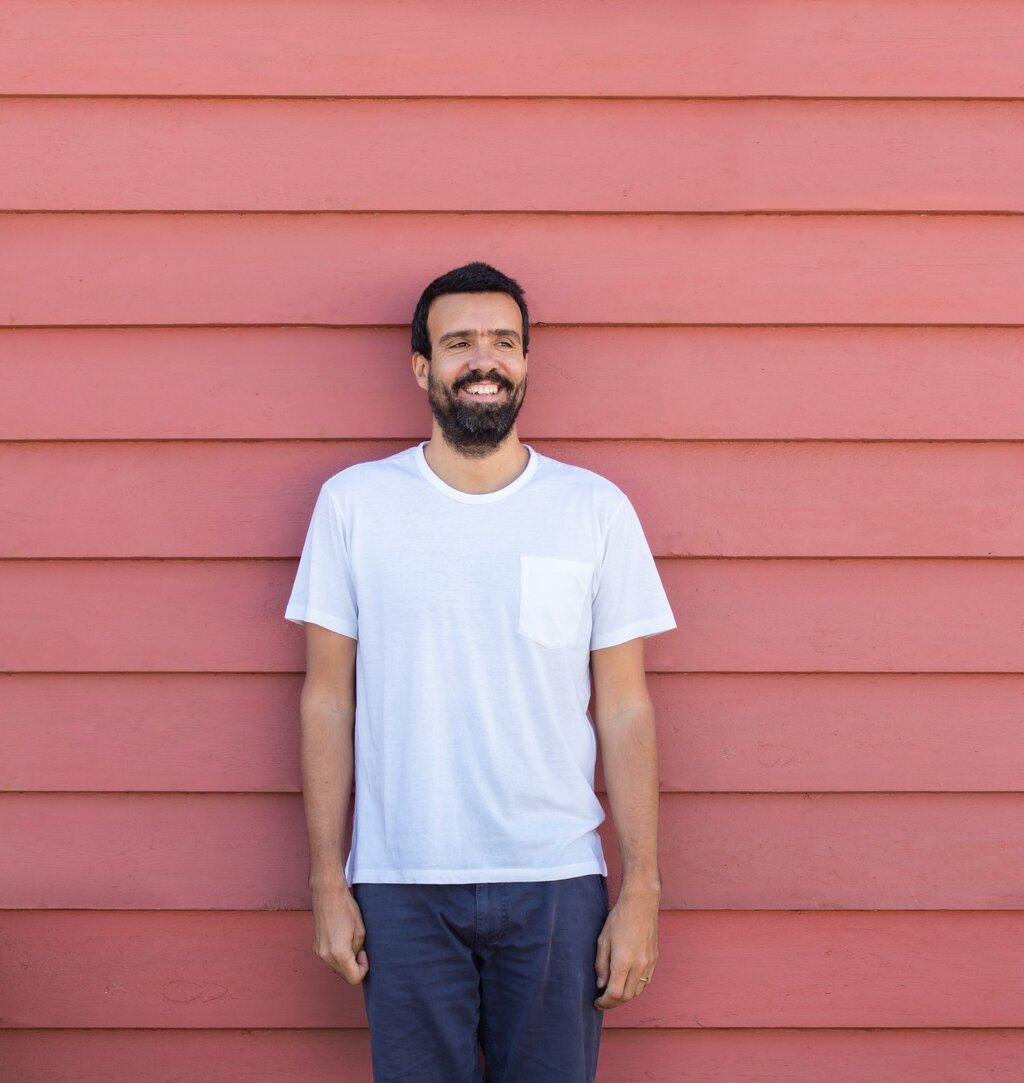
(472, 278)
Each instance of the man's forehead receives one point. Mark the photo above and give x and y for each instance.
(486, 312)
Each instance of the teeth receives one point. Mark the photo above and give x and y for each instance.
(482, 389)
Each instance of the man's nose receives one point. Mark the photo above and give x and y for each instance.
(482, 356)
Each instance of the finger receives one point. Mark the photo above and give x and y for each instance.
(607, 1001)
(624, 986)
(648, 973)
(344, 963)
(348, 967)
(602, 964)
(642, 972)
(633, 985)
(614, 991)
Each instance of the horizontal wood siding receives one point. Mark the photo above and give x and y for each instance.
(775, 254)
(643, 48)
(801, 383)
(624, 156)
(369, 269)
(720, 732)
(669, 1056)
(741, 499)
(728, 851)
(800, 615)
(142, 968)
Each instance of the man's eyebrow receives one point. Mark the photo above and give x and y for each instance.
(498, 332)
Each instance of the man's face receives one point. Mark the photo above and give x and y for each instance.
(476, 379)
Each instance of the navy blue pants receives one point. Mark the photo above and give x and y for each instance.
(506, 969)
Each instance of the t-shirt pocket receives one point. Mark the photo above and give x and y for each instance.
(552, 593)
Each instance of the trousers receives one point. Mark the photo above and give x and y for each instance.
(483, 983)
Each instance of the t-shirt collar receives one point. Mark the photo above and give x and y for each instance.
(477, 498)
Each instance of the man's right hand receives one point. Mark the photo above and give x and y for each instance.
(338, 932)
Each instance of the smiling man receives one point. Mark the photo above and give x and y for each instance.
(461, 601)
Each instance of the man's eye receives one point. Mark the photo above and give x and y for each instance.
(505, 342)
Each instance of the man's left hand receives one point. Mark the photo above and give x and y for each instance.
(627, 949)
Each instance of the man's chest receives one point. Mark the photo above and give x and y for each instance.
(483, 568)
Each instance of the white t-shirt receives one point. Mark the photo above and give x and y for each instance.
(475, 616)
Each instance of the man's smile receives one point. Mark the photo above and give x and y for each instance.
(483, 387)
(482, 390)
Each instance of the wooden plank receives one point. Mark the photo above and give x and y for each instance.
(724, 969)
(661, 1056)
(801, 732)
(843, 616)
(719, 733)
(753, 499)
(149, 615)
(214, 1056)
(202, 155)
(809, 1056)
(746, 499)
(734, 615)
(648, 47)
(841, 851)
(158, 731)
(224, 852)
(718, 851)
(94, 269)
(154, 484)
(878, 383)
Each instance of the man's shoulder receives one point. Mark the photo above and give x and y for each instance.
(369, 476)
(578, 479)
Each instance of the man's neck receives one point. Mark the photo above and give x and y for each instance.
(471, 474)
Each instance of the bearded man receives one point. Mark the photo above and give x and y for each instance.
(461, 600)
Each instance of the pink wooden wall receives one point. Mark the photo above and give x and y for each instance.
(777, 252)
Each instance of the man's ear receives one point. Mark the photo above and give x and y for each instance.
(420, 369)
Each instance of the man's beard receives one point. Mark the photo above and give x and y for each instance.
(475, 429)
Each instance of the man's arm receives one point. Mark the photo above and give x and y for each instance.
(328, 709)
(628, 946)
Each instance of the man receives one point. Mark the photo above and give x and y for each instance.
(461, 599)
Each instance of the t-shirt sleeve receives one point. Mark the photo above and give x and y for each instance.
(630, 600)
(323, 592)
